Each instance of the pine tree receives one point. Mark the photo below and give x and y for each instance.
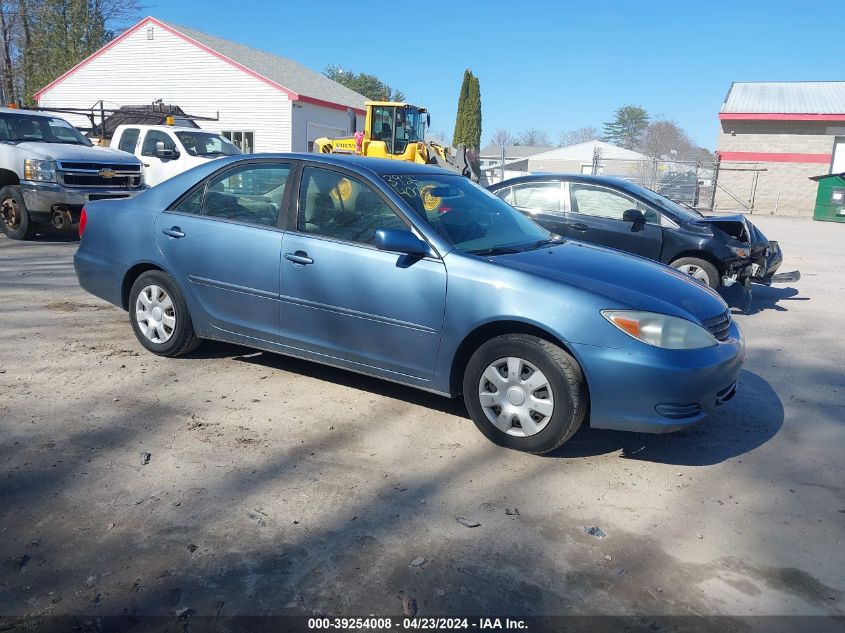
(461, 117)
(627, 127)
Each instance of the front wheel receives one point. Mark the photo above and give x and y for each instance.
(16, 223)
(525, 393)
(159, 315)
(699, 269)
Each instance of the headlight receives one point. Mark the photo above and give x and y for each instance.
(43, 170)
(660, 330)
(740, 251)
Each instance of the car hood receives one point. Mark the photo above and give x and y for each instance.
(66, 151)
(625, 281)
(734, 224)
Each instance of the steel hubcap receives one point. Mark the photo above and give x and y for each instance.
(11, 213)
(154, 314)
(696, 272)
(516, 397)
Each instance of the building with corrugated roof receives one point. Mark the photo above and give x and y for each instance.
(774, 136)
(265, 102)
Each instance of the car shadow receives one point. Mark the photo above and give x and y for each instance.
(749, 420)
(762, 298)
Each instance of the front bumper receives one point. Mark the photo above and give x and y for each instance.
(41, 197)
(650, 390)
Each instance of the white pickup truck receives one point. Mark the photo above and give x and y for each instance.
(49, 171)
(166, 150)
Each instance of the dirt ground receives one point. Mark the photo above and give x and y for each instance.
(279, 486)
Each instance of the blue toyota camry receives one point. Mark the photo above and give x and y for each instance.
(416, 275)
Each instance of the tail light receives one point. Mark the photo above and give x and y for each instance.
(83, 220)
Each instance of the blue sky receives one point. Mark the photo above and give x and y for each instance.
(551, 65)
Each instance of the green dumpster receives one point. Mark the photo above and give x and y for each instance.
(830, 200)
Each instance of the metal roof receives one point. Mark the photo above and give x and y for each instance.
(513, 151)
(785, 97)
(280, 70)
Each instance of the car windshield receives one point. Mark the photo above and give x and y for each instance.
(468, 216)
(684, 213)
(207, 144)
(19, 128)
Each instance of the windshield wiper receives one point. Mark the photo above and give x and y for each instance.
(541, 244)
(496, 250)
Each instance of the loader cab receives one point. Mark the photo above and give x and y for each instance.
(396, 124)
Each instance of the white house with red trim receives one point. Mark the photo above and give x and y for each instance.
(266, 102)
(774, 136)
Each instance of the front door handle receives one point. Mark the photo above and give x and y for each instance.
(299, 257)
(173, 231)
(579, 226)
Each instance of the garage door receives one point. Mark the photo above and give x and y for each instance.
(315, 131)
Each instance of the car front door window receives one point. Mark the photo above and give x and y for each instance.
(341, 207)
(604, 203)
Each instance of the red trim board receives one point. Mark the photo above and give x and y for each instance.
(762, 116)
(293, 96)
(775, 157)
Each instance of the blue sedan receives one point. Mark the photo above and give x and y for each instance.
(415, 275)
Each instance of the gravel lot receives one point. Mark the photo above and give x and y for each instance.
(279, 486)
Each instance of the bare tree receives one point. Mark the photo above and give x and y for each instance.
(581, 135)
(664, 137)
(535, 137)
(438, 136)
(8, 23)
(502, 137)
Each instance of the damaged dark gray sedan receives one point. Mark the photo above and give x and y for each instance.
(612, 212)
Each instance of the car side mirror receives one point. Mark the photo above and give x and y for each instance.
(401, 241)
(161, 152)
(633, 215)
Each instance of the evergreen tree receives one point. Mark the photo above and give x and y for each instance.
(368, 85)
(472, 132)
(627, 127)
(461, 118)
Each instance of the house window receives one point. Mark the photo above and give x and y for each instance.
(150, 32)
(244, 140)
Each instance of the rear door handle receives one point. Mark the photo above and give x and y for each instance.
(299, 257)
(579, 226)
(173, 231)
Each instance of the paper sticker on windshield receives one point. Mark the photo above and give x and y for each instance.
(430, 202)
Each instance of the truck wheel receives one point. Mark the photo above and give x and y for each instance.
(16, 222)
(699, 269)
(525, 393)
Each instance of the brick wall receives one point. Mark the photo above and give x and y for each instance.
(781, 188)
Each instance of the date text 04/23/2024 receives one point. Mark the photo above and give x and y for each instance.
(425, 624)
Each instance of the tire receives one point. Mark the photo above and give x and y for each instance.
(159, 315)
(565, 388)
(14, 217)
(699, 269)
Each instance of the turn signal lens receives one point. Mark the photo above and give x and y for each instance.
(83, 220)
(660, 330)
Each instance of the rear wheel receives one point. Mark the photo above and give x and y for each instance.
(16, 222)
(525, 393)
(699, 269)
(159, 315)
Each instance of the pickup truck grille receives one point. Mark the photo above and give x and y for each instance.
(99, 175)
(719, 326)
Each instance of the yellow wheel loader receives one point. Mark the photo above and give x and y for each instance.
(396, 131)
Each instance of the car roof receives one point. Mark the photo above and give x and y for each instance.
(50, 115)
(546, 177)
(362, 164)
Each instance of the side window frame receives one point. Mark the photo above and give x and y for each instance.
(284, 207)
(292, 220)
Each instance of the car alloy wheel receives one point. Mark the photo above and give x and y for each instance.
(516, 396)
(155, 314)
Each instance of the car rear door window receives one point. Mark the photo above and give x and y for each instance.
(605, 203)
(129, 140)
(537, 196)
(341, 207)
(251, 194)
